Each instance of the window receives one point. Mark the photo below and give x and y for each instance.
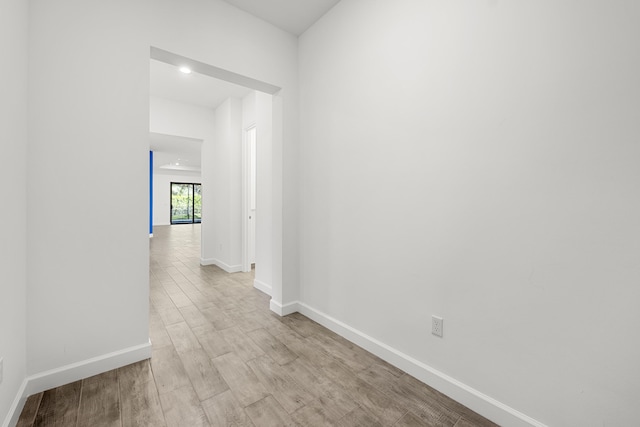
(186, 203)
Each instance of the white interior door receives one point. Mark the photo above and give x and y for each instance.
(252, 146)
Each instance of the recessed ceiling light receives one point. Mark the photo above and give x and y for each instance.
(185, 70)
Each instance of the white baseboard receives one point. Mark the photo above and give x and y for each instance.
(76, 371)
(16, 407)
(468, 396)
(226, 267)
(283, 310)
(261, 286)
(87, 368)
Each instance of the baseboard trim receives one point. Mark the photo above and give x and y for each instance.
(261, 286)
(74, 372)
(485, 405)
(86, 368)
(16, 407)
(283, 310)
(226, 267)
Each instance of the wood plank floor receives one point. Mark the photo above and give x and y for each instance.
(221, 358)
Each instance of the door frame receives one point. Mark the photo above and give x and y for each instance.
(246, 196)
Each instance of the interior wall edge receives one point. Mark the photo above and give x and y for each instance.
(283, 309)
(262, 287)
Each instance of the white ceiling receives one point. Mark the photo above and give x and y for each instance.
(196, 89)
(294, 16)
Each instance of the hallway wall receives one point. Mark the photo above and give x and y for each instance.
(479, 161)
(89, 111)
(226, 184)
(265, 235)
(13, 210)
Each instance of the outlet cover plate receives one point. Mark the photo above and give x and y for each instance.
(437, 324)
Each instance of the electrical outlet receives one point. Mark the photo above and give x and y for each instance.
(436, 325)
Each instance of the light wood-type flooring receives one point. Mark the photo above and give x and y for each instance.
(222, 358)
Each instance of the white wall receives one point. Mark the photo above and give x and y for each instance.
(13, 175)
(87, 247)
(179, 119)
(162, 194)
(226, 184)
(265, 229)
(479, 161)
(257, 109)
(249, 110)
(88, 280)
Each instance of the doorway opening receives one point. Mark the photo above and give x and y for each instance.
(226, 196)
(186, 203)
